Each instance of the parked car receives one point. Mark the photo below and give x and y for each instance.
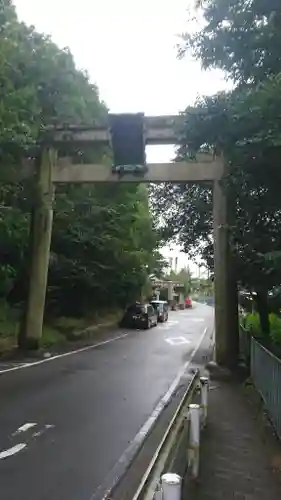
(161, 307)
(188, 303)
(139, 315)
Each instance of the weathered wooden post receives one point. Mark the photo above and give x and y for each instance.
(41, 232)
(226, 308)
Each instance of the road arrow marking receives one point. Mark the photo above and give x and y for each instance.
(24, 428)
(12, 451)
(20, 446)
(40, 432)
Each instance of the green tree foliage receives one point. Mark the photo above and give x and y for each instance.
(103, 247)
(103, 244)
(41, 86)
(232, 122)
(242, 38)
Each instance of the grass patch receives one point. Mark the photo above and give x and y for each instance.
(64, 323)
(57, 331)
(9, 325)
(52, 337)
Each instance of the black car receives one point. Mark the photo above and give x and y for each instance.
(161, 307)
(139, 315)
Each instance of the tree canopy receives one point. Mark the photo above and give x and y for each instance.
(238, 36)
(243, 39)
(103, 244)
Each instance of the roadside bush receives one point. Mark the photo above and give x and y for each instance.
(251, 323)
(275, 329)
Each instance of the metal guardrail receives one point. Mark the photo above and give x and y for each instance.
(179, 448)
(265, 369)
(266, 375)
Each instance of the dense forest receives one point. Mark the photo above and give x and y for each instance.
(242, 39)
(103, 243)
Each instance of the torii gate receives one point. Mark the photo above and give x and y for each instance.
(144, 131)
(170, 285)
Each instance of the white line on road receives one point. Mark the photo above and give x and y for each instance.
(167, 325)
(24, 428)
(87, 348)
(12, 451)
(184, 367)
(103, 490)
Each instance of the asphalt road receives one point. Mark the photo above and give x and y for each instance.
(65, 423)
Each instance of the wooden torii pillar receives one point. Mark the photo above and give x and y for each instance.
(50, 171)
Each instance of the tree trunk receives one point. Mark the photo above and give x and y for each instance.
(262, 306)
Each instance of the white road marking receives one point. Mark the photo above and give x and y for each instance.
(177, 341)
(20, 446)
(24, 428)
(12, 451)
(39, 433)
(103, 490)
(167, 325)
(70, 353)
(185, 366)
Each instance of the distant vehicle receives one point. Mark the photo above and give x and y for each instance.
(188, 303)
(161, 307)
(139, 315)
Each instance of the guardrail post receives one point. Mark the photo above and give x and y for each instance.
(171, 486)
(194, 439)
(158, 495)
(204, 385)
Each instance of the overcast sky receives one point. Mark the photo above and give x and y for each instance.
(128, 48)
